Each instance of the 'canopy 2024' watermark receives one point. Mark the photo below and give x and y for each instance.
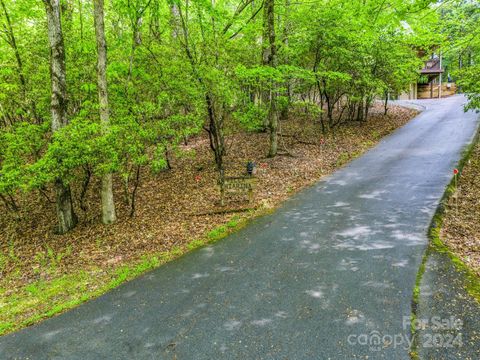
(434, 332)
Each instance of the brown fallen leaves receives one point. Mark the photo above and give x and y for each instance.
(169, 203)
(461, 230)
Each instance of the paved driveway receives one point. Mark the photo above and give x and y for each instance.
(332, 268)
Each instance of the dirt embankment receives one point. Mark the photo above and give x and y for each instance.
(461, 223)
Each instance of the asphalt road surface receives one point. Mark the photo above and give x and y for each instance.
(324, 277)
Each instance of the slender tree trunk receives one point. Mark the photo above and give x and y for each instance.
(360, 110)
(216, 136)
(13, 43)
(174, 20)
(367, 108)
(273, 126)
(215, 116)
(286, 60)
(108, 205)
(134, 192)
(85, 183)
(385, 104)
(65, 213)
(80, 18)
(269, 58)
(21, 76)
(136, 41)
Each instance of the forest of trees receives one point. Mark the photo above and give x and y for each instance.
(93, 90)
(459, 23)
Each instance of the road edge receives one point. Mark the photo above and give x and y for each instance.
(436, 245)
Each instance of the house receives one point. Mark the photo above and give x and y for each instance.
(431, 83)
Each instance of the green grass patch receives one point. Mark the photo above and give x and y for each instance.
(43, 299)
(194, 244)
(342, 159)
(222, 231)
(472, 281)
(218, 233)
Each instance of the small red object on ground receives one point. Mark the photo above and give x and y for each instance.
(455, 171)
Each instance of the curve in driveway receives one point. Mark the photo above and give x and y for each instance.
(334, 266)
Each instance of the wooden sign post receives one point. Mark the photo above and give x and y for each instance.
(241, 185)
(455, 175)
